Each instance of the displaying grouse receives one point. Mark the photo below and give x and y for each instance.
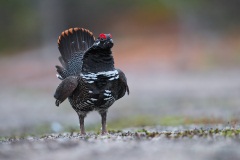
(89, 78)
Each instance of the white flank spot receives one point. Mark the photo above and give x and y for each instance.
(89, 76)
(90, 81)
(105, 94)
(116, 77)
(59, 77)
(89, 102)
(94, 76)
(111, 79)
(107, 91)
(108, 98)
(90, 91)
(93, 99)
(105, 73)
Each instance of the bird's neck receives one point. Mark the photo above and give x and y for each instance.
(98, 61)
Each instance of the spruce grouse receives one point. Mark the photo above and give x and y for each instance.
(89, 79)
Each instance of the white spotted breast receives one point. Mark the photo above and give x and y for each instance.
(92, 77)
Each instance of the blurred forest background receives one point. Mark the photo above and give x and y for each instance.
(193, 32)
(177, 55)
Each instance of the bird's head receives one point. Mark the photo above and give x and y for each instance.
(104, 41)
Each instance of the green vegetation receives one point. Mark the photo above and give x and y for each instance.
(141, 134)
(19, 23)
(141, 122)
(29, 23)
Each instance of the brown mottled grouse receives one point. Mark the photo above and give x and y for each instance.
(89, 78)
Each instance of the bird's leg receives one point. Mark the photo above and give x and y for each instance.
(81, 121)
(104, 119)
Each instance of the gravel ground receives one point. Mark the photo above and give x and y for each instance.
(182, 143)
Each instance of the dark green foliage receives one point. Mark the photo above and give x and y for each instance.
(19, 24)
(29, 23)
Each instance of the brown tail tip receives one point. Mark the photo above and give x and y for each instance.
(70, 31)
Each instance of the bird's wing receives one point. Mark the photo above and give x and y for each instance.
(122, 83)
(65, 89)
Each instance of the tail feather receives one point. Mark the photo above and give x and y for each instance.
(72, 44)
(62, 62)
(63, 73)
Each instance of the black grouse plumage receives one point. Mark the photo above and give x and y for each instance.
(89, 78)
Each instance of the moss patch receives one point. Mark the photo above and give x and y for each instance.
(143, 120)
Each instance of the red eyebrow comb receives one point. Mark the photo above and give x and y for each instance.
(102, 36)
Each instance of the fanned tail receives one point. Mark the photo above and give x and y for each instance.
(72, 44)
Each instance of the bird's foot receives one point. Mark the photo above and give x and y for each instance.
(104, 132)
(82, 131)
(83, 134)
